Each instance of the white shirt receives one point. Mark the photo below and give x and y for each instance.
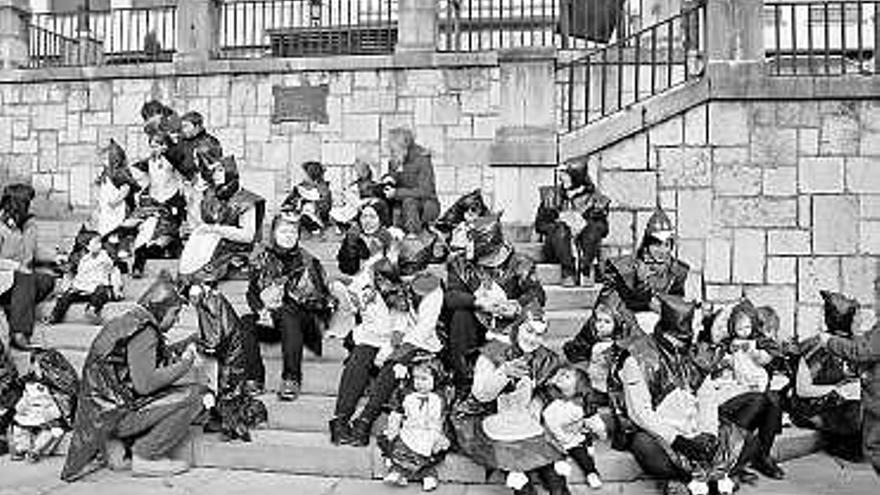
(93, 271)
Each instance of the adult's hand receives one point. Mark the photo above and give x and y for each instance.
(515, 368)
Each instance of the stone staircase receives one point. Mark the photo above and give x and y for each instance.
(296, 440)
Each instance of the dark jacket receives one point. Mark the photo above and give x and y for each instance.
(864, 352)
(190, 156)
(416, 179)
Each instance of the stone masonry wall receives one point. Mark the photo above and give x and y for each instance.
(50, 131)
(776, 199)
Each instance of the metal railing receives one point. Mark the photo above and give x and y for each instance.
(816, 38)
(476, 25)
(93, 37)
(644, 64)
(295, 28)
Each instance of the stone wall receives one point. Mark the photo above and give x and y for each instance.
(777, 199)
(52, 123)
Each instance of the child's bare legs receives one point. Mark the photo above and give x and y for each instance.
(22, 442)
(45, 442)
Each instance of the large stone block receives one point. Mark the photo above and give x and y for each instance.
(667, 133)
(465, 152)
(809, 321)
(863, 175)
(100, 96)
(773, 146)
(780, 181)
(805, 212)
(737, 180)
(782, 270)
(49, 117)
(788, 242)
(815, 274)
(484, 127)
(621, 228)
(243, 96)
(869, 207)
(857, 278)
(782, 299)
(756, 212)
(424, 82)
(821, 174)
(338, 153)
(695, 128)
(81, 180)
(276, 155)
(797, 114)
(694, 212)
(723, 293)
(446, 110)
(685, 167)
(630, 189)
(718, 260)
(728, 123)
(371, 101)
(127, 108)
(692, 252)
(360, 127)
(808, 142)
(305, 147)
(836, 226)
(869, 237)
(629, 154)
(749, 247)
(840, 129)
(5, 134)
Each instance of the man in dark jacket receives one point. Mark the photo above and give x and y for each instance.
(198, 147)
(128, 392)
(414, 190)
(864, 351)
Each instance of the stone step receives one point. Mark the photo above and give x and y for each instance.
(271, 450)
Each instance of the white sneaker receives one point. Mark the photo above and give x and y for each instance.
(698, 487)
(394, 478)
(594, 481)
(116, 459)
(157, 468)
(725, 486)
(430, 483)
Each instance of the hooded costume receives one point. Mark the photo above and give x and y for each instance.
(837, 417)
(639, 278)
(224, 204)
(223, 336)
(863, 352)
(108, 394)
(577, 217)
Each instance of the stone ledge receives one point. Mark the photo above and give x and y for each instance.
(259, 66)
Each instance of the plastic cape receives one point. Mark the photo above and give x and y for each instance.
(106, 393)
(61, 378)
(637, 282)
(221, 334)
(10, 388)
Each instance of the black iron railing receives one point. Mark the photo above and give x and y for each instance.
(814, 38)
(476, 25)
(94, 37)
(644, 64)
(295, 28)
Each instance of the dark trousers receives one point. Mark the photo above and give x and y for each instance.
(756, 411)
(582, 458)
(380, 393)
(466, 334)
(292, 325)
(654, 459)
(558, 246)
(20, 302)
(250, 342)
(96, 299)
(148, 252)
(871, 438)
(589, 243)
(545, 476)
(354, 379)
(416, 213)
(158, 428)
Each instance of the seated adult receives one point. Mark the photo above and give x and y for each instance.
(669, 420)
(652, 271)
(413, 188)
(232, 225)
(827, 395)
(21, 288)
(864, 351)
(195, 149)
(494, 425)
(312, 196)
(487, 286)
(161, 207)
(130, 394)
(288, 288)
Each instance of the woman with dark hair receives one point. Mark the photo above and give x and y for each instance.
(573, 214)
(21, 288)
(161, 209)
(494, 425)
(457, 221)
(312, 197)
(288, 288)
(233, 224)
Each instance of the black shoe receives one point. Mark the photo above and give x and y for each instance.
(360, 433)
(340, 431)
(746, 477)
(768, 467)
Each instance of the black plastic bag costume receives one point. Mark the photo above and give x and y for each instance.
(222, 335)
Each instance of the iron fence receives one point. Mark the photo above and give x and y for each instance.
(295, 28)
(646, 63)
(475, 25)
(819, 38)
(93, 37)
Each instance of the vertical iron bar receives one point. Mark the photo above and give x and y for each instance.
(603, 80)
(670, 53)
(570, 95)
(777, 20)
(810, 61)
(637, 67)
(587, 87)
(843, 37)
(653, 60)
(827, 45)
(620, 66)
(794, 50)
(861, 42)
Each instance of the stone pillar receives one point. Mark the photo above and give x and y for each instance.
(524, 149)
(198, 30)
(416, 26)
(735, 31)
(14, 19)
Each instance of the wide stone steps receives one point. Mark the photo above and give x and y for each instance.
(302, 452)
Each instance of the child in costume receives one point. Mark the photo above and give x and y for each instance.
(96, 280)
(415, 441)
(572, 419)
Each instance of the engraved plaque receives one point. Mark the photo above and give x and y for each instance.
(300, 104)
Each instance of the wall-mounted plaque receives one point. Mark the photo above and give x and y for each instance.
(300, 104)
